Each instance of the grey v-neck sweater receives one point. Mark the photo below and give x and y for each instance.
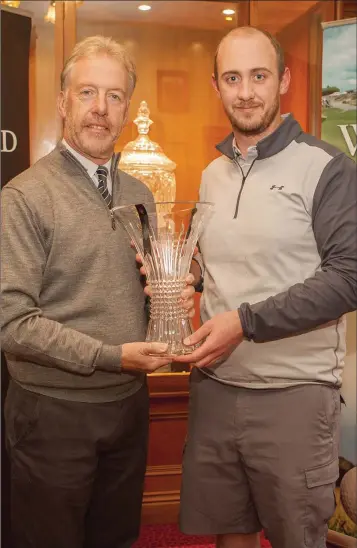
(71, 290)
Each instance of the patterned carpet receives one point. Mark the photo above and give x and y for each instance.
(168, 536)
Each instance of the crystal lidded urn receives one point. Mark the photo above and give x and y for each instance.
(145, 160)
(165, 238)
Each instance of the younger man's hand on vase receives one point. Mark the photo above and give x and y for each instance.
(221, 335)
(187, 300)
(195, 269)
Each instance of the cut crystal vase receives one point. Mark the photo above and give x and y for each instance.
(166, 242)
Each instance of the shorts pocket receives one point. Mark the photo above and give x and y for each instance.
(320, 483)
(332, 407)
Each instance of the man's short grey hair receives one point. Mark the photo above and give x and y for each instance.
(100, 45)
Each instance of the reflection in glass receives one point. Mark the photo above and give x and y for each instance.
(145, 160)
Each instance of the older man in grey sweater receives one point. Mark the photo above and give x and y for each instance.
(73, 308)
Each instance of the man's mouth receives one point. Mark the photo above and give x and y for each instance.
(97, 127)
(246, 107)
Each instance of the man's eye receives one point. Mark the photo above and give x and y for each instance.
(115, 97)
(259, 77)
(232, 79)
(86, 92)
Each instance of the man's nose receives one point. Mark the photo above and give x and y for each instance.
(246, 90)
(101, 105)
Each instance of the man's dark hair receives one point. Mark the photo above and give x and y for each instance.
(274, 42)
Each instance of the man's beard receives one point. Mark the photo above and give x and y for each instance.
(251, 128)
(95, 147)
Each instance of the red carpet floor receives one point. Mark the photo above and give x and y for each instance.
(168, 536)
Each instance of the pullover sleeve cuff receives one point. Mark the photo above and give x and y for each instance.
(247, 333)
(109, 358)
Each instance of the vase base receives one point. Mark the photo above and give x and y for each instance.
(171, 332)
(175, 350)
(183, 352)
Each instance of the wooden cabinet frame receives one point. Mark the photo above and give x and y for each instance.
(324, 11)
(65, 39)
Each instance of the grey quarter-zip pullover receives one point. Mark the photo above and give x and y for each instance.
(281, 247)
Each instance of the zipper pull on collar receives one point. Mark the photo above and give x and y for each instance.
(244, 178)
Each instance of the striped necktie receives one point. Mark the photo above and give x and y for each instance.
(102, 174)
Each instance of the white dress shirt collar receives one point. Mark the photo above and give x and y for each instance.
(90, 166)
(252, 152)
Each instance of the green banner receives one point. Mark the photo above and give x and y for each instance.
(339, 120)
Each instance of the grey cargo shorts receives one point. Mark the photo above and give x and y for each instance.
(260, 459)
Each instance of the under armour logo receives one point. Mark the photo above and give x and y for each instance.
(277, 187)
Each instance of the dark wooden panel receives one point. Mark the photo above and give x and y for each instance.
(275, 15)
(168, 426)
(349, 9)
(173, 91)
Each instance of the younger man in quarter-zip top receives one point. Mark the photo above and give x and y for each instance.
(280, 259)
(76, 411)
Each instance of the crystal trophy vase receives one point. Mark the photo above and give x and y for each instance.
(166, 242)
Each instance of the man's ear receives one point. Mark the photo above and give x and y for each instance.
(61, 104)
(285, 81)
(215, 85)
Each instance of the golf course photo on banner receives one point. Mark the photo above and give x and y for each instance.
(339, 85)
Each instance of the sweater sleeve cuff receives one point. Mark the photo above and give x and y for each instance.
(109, 358)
